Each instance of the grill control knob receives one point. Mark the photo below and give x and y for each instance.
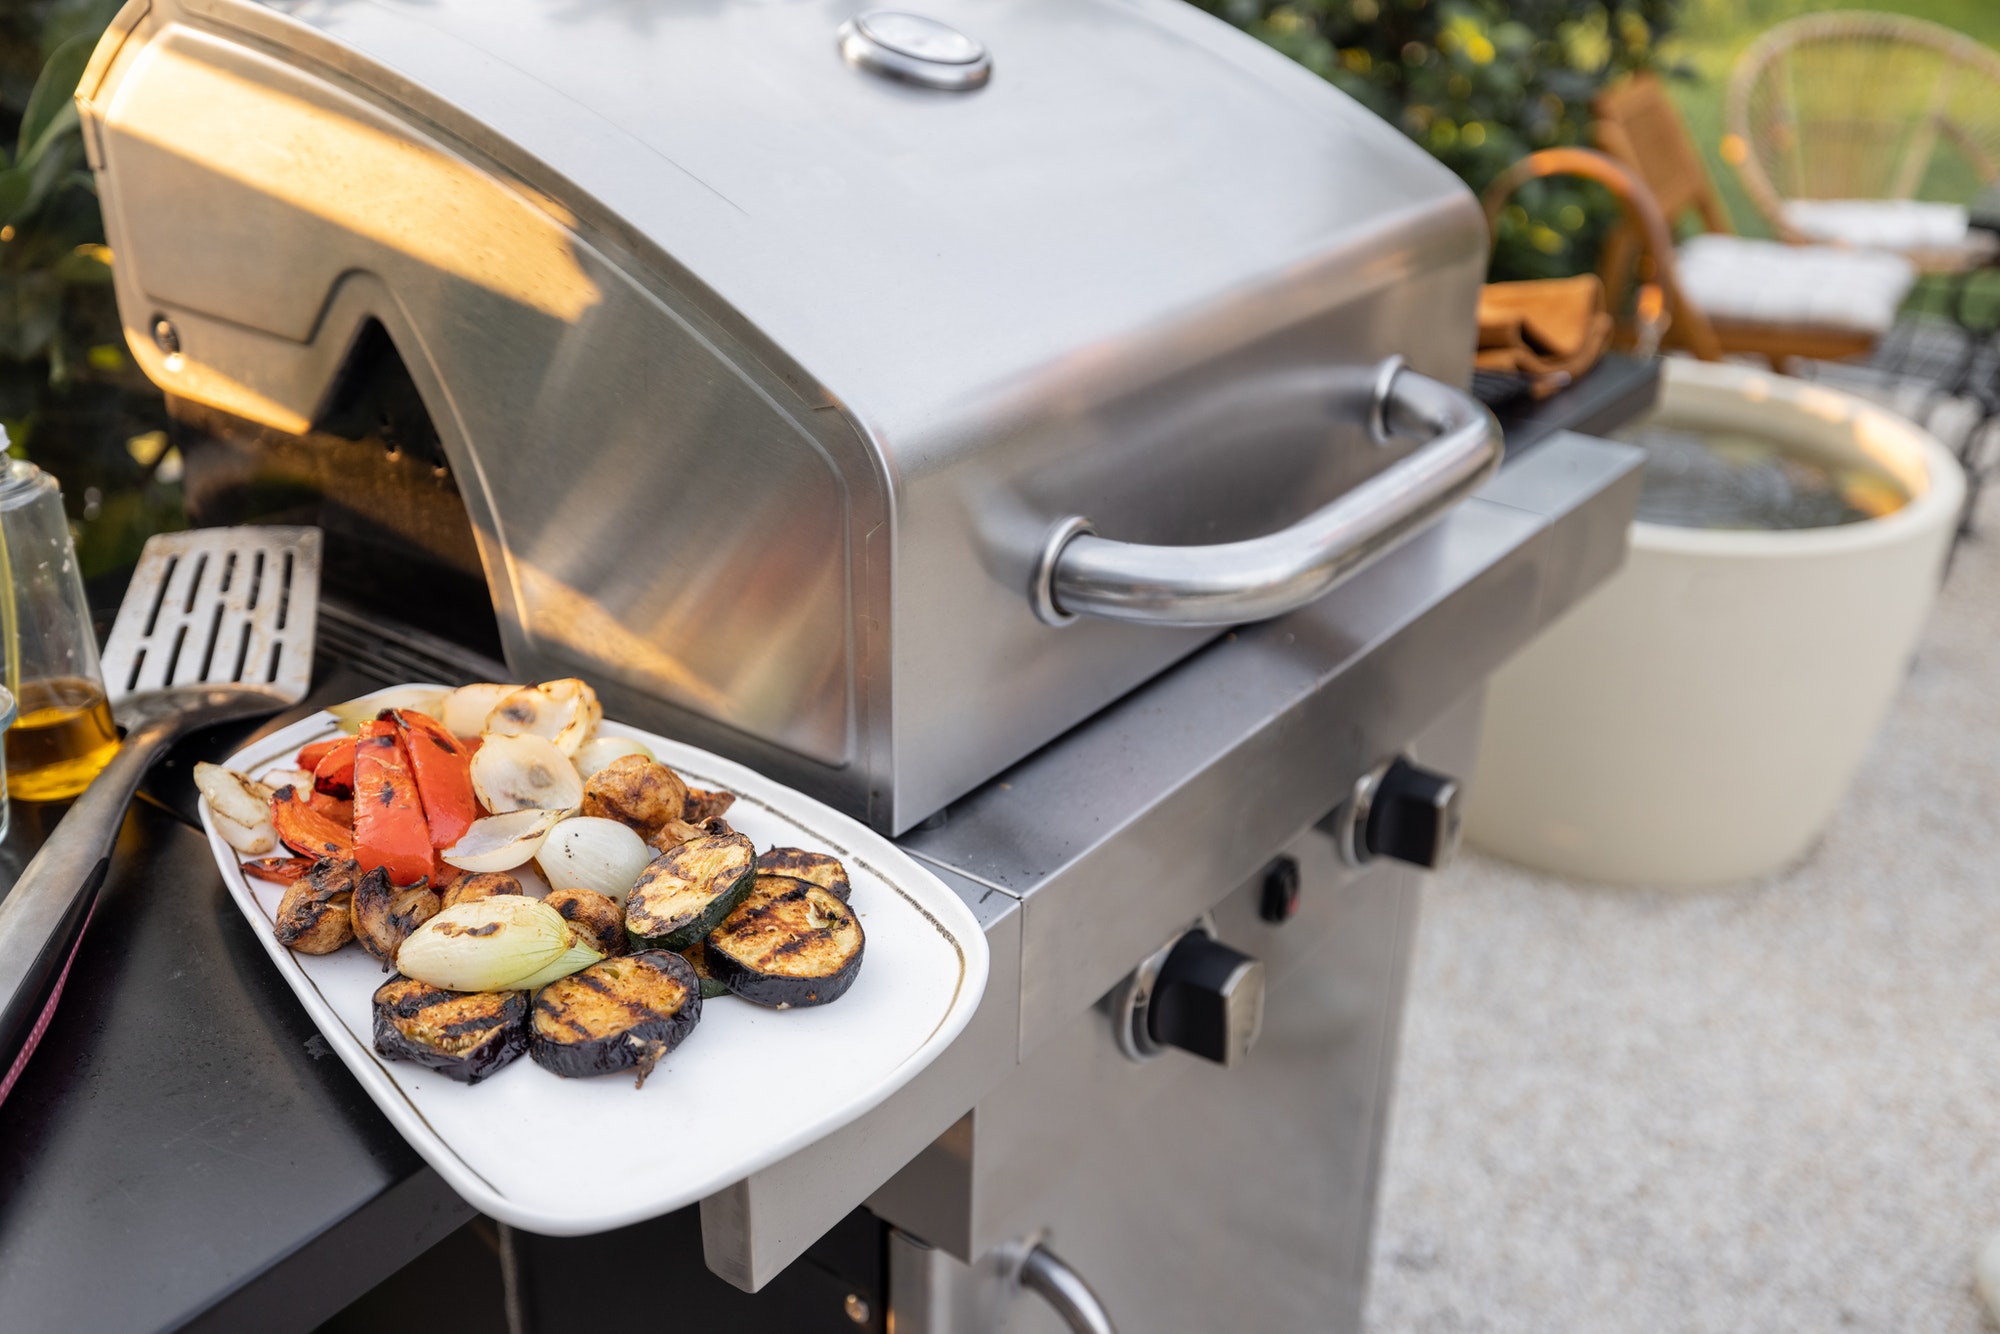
(1208, 999)
(1402, 811)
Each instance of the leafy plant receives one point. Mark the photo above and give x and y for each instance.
(1481, 84)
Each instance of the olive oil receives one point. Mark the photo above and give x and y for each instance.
(61, 738)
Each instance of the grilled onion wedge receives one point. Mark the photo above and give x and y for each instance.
(791, 943)
(815, 868)
(619, 1014)
(466, 1035)
(682, 895)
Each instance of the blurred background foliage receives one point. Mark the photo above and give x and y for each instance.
(70, 397)
(1481, 84)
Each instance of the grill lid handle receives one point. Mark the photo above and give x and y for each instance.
(1082, 574)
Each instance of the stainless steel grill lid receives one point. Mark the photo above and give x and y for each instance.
(766, 378)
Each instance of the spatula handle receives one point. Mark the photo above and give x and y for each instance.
(43, 917)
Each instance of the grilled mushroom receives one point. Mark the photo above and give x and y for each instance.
(815, 868)
(314, 917)
(464, 1034)
(790, 943)
(676, 832)
(385, 913)
(620, 1014)
(479, 885)
(704, 805)
(637, 791)
(598, 919)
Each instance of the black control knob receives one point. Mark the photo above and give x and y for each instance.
(1208, 999)
(1412, 816)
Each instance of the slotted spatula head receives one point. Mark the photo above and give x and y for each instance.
(217, 619)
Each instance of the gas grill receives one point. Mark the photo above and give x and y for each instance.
(1030, 426)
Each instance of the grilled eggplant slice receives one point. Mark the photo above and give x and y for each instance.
(464, 1034)
(711, 986)
(702, 804)
(636, 791)
(619, 1014)
(790, 943)
(315, 916)
(479, 885)
(815, 868)
(385, 912)
(597, 918)
(683, 894)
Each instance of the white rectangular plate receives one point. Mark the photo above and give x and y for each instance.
(748, 1087)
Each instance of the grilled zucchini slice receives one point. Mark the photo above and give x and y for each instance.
(685, 892)
(790, 943)
(697, 957)
(617, 1014)
(815, 868)
(464, 1034)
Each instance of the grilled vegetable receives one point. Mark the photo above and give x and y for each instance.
(479, 885)
(466, 708)
(299, 780)
(636, 791)
(502, 842)
(315, 915)
(598, 920)
(389, 828)
(280, 870)
(333, 774)
(589, 852)
(442, 767)
(697, 957)
(312, 753)
(243, 801)
(815, 868)
(354, 715)
(790, 943)
(597, 752)
(385, 913)
(251, 840)
(621, 1014)
(337, 809)
(705, 805)
(514, 773)
(465, 1035)
(307, 832)
(676, 832)
(683, 894)
(564, 713)
(502, 943)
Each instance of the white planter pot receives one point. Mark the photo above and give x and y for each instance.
(1696, 720)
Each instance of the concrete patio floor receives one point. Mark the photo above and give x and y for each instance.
(1775, 1107)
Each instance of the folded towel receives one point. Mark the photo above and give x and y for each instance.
(1551, 330)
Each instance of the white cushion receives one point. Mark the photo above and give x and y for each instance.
(1886, 224)
(1769, 282)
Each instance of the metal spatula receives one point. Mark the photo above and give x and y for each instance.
(216, 625)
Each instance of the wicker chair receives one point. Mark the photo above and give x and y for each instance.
(1765, 298)
(1841, 123)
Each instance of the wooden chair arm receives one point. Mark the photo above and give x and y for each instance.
(1640, 209)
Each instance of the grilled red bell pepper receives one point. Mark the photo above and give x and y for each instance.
(310, 756)
(389, 828)
(443, 767)
(334, 773)
(337, 809)
(307, 832)
(283, 870)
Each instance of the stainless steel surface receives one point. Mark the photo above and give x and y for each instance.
(764, 381)
(216, 624)
(1184, 791)
(1044, 1274)
(1199, 1199)
(1263, 733)
(1261, 577)
(915, 49)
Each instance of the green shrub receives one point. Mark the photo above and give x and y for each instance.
(1480, 84)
